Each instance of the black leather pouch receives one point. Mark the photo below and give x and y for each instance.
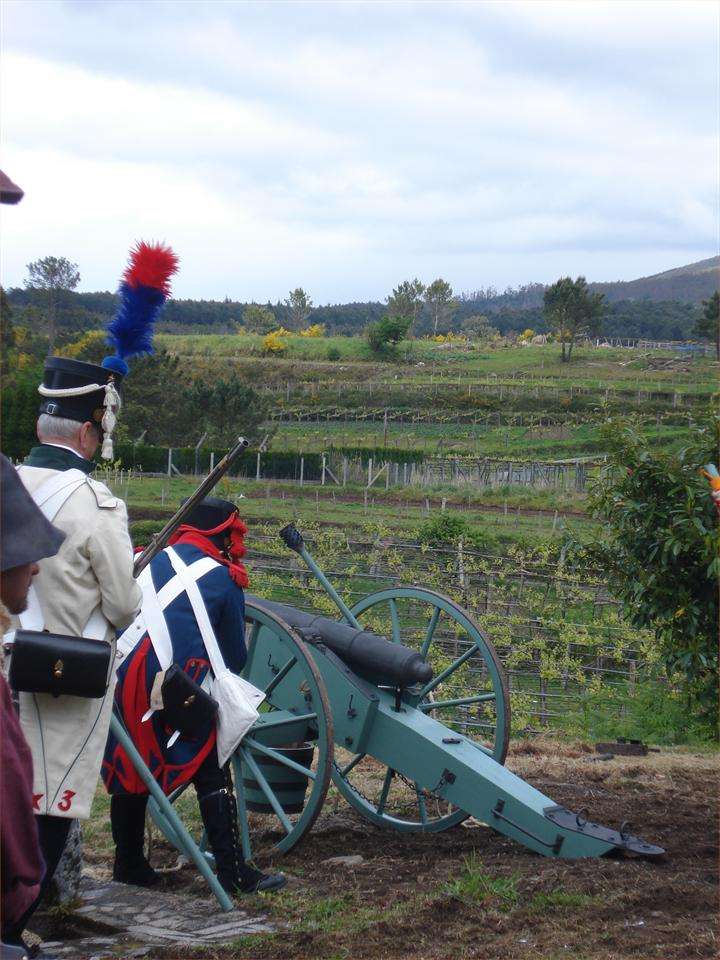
(44, 662)
(186, 706)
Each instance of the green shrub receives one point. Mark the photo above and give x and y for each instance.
(443, 528)
(142, 531)
(660, 548)
(333, 353)
(481, 540)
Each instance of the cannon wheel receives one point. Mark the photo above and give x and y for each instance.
(280, 664)
(468, 693)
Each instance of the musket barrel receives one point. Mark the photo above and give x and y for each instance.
(160, 540)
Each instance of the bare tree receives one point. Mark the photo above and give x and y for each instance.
(52, 275)
(708, 324)
(257, 319)
(439, 297)
(406, 299)
(299, 306)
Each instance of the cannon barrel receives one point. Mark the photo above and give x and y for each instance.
(371, 656)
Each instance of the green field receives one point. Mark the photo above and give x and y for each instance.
(507, 514)
(561, 442)
(590, 368)
(496, 401)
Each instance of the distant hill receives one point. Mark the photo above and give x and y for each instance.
(664, 306)
(691, 283)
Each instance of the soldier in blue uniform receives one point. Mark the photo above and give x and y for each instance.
(213, 529)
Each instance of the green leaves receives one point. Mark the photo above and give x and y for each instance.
(387, 332)
(661, 549)
(571, 311)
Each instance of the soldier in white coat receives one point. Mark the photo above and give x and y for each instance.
(87, 589)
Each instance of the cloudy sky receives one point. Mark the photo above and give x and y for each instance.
(347, 146)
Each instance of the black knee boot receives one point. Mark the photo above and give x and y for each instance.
(127, 818)
(219, 814)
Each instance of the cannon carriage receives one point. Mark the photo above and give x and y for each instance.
(402, 704)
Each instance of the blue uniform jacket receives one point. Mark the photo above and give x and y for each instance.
(225, 605)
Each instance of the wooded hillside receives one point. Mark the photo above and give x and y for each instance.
(663, 306)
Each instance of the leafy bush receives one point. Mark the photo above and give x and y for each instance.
(660, 547)
(19, 412)
(444, 527)
(387, 332)
(482, 540)
(142, 531)
(333, 353)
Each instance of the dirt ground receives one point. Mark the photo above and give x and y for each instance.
(469, 892)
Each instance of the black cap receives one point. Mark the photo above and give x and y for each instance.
(210, 513)
(63, 374)
(26, 536)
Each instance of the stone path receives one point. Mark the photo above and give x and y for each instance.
(123, 921)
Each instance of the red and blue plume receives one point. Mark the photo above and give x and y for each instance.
(144, 289)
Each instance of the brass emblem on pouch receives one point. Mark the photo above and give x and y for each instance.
(58, 669)
(190, 700)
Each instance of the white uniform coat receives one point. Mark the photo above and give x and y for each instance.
(93, 569)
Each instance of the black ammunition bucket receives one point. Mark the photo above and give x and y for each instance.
(289, 786)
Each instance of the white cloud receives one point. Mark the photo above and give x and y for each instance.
(344, 146)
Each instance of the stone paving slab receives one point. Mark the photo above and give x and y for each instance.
(132, 920)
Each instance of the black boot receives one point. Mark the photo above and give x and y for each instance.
(127, 818)
(219, 814)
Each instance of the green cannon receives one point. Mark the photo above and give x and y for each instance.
(404, 705)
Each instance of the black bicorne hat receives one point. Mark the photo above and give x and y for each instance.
(210, 513)
(26, 536)
(67, 391)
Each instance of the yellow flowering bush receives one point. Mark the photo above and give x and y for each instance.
(86, 346)
(449, 337)
(275, 342)
(316, 330)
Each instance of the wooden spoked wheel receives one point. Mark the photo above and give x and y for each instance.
(468, 694)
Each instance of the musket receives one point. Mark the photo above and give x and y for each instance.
(160, 540)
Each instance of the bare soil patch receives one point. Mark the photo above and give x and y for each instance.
(470, 893)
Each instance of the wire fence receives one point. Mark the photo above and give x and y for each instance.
(564, 646)
(338, 470)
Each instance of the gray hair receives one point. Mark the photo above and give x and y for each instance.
(58, 428)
